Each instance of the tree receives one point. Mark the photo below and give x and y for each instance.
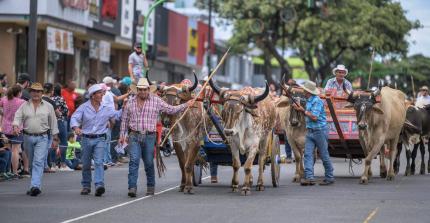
(342, 27)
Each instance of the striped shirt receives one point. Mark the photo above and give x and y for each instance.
(333, 84)
(145, 118)
(315, 106)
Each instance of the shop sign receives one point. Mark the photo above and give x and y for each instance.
(59, 40)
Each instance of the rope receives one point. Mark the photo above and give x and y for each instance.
(191, 133)
(197, 96)
(206, 131)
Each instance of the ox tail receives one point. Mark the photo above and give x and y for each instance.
(161, 167)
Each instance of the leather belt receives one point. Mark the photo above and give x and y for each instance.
(35, 134)
(131, 131)
(94, 136)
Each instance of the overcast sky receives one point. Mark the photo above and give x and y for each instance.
(419, 39)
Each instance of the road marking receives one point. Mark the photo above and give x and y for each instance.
(371, 215)
(122, 204)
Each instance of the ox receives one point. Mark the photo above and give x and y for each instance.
(415, 132)
(188, 132)
(247, 127)
(379, 124)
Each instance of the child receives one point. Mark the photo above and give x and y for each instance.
(5, 159)
(71, 160)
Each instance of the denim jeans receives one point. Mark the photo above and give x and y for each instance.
(317, 138)
(36, 148)
(288, 151)
(93, 149)
(107, 158)
(213, 169)
(73, 163)
(141, 146)
(62, 127)
(5, 160)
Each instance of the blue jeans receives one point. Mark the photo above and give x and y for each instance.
(36, 148)
(288, 151)
(93, 149)
(73, 163)
(62, 127)
(141, 146)
(317, 138)
(107, 158)
(5, 160)
(213, 169)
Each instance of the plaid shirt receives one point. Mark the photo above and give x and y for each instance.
(145, 118)
(316, 107)
(333, 84)
(9, 109)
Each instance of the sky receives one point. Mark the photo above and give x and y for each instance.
(419, 40)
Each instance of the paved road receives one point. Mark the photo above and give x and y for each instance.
(407, 199)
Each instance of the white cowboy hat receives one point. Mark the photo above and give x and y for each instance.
(143, 83)
(311, 87)
(94, 88)
(340, 67)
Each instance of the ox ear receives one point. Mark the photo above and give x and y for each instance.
(377, 108)
(283, 102)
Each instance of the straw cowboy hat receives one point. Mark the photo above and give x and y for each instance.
(340, 67)
(143, 83)
(311, 87)
(36, 87)
(424, 88)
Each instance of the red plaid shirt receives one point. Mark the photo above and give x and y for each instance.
(145, 118)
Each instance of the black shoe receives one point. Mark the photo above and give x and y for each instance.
(99, 191)
(105, 167)
(326, 182)
(85, 191)
(307, 183)
(132, 192)
(34, 191)
(25, 174)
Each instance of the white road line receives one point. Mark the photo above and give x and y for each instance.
(371, 215)
(122, 204)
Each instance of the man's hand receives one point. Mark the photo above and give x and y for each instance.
(16, 130)
(123, 139)
(298, 107)
(190, 102)
(77, 130)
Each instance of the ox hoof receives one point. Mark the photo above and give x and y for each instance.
(296, 179)
(383, 174)
(189, 190)
(234, 188)
(246, 191)
(260, 187)
(364, 180)
(181, 188)
(390, 177)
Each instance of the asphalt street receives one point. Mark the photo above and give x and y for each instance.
(406, 199)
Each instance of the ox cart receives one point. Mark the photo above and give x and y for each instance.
(215, 149)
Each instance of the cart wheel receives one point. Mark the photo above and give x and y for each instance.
(275, 161)
(197, 175)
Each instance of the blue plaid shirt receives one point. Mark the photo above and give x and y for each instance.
(333, 84)
(315, 106)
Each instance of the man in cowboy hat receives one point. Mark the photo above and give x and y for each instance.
(90, 121)
(423, 98)
(138, 126)
(339, 82)
(137, 62)
(316, 136)
(39, 124)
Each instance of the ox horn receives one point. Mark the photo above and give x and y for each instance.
(258, 98)
(376, 92)
(215, 87)
(196, 82)
(285, 86)
(147, 77)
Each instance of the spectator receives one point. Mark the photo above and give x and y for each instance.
(3, 83)
(48, 92)
(90, 82)
(62, 123)
(136, 63)
(5, 159)
(70, 96)
(10, 105)
(24, 81)
(72, 161)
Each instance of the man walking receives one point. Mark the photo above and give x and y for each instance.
(93, 116)
(316, 136)
(39, 124)
(138, 126)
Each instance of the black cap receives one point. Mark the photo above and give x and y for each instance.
(138, 45)
(24, 77)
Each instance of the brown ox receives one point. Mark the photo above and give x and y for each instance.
(247, 127)
(188, 132)
(379, 124)
(295, 126)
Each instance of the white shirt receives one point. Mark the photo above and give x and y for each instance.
(108, 99)
(422, 101)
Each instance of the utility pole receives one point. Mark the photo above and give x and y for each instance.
(209, 38)
(32, 41)
(133, 35)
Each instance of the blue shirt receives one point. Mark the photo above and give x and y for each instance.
(333, 84)
(92, 121)
(315, 106)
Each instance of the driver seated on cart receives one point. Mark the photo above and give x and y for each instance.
(316, 136)
(339, 82)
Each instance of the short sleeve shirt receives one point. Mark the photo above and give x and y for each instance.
(137, 62)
